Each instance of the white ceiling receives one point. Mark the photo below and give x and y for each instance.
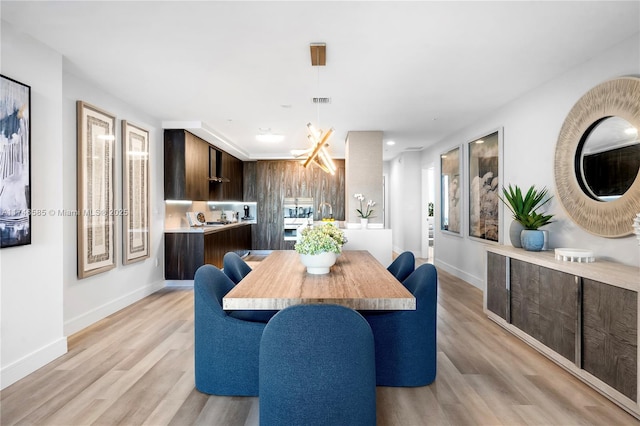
(418, 71)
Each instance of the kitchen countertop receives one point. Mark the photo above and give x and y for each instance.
(207, 229)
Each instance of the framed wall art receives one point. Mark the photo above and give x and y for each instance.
(15, 163)
(484, 187)
(135, 193)
(96, 226)
(450, 191)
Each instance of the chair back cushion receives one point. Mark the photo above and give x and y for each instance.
(234, 267)
(406, 347)
(317, 366)
(225, 348)
(210, 285)
(422, 281)
(402, 266)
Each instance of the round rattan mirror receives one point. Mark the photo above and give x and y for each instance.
(613, 217)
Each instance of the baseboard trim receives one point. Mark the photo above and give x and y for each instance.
(474, 281)
(82, 321)
(31, 362)
(179, 283)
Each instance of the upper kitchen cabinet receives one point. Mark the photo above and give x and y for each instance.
(226, 175)
(186, 166)
(249, 181)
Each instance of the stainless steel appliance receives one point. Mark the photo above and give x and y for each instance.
(297, 212)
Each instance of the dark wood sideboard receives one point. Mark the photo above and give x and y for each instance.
(583, 316)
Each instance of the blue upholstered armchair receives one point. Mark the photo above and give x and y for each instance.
(402, 266)
(317, 367)
(234, 267)
(406, 340)
(226, 348)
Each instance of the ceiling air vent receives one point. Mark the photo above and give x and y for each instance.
(414, 148)
(321, 100)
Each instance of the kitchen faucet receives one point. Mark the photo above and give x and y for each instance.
(322, 210)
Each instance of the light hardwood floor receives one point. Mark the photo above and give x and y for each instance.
(136, 368)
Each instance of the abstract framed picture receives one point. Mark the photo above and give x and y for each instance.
(15, 163)
(135, 193)
(450, 191)
(484, 187)
(96, 226)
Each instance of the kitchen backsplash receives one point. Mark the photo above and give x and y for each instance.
(176, 212)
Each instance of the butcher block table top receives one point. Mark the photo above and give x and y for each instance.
(357, 281)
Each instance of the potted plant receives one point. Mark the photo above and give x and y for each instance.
(319, 246)
(523, 209)
(366, 211)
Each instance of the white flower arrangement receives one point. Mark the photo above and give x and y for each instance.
(366, 211)
(320, 239)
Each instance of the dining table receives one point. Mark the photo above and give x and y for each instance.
(357, 280)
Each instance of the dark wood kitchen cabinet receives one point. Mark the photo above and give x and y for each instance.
(280, 179)
(249, 170)
(185, 252)
(229, 168)
(584, 316)
(186, 166)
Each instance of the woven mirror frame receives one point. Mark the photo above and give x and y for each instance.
(618, 97)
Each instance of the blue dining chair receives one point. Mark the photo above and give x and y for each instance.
(226, 348)
(317, 367)
(402, 266)
(236, 269)
(406, 340)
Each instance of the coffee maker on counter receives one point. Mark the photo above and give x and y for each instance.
(246, 213)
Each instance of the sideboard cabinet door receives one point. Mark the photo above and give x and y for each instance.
(609, 339)
(525, 297)
(497, 296)
(559, 311)
(544, 304)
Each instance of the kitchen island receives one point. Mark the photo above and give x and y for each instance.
(188, 248)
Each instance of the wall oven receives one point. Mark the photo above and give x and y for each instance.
(297, 212)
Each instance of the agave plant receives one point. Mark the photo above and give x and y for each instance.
(524, 208)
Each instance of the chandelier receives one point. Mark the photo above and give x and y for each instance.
(318, 153)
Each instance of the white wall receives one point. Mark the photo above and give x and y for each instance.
(405, 176)
(31, 294)
(363, 161)
(91, 299)
(41, 299)
(531, 126)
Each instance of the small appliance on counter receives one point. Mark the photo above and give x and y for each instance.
(196, 218)
(230, 216)
(247, 213)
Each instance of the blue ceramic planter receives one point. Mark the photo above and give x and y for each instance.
(532, 239)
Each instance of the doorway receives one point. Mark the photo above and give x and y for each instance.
(428, 216)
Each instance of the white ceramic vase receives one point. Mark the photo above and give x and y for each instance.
(318, 263)
(364, 223)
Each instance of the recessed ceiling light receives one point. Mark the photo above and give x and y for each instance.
(269, 137)
(391, 143)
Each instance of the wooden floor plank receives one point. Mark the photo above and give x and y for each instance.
(135, 367)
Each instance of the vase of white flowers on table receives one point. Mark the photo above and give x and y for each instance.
(319, 246)
(365, 211)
